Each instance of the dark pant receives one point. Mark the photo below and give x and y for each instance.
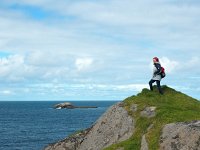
(158, 85)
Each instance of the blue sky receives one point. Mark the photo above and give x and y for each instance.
(96, 50)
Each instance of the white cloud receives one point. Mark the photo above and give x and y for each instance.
(192, 62)
(10, 64)
(181, 66)
(63, 88)
(6, 92)
(83, 64)
(15, 69)
(133, 87)
(169, 65)
(104, 42)
(118, 87)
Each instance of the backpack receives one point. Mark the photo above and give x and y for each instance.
(162, 72)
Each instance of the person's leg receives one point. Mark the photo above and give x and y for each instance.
(150, 84)
(159, 88)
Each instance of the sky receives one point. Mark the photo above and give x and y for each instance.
(96, 49)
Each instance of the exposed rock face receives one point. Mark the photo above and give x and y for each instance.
(133, 107)
(69, 143)
(148, 112)
(113, 126)
(181, 136)
(144, 144)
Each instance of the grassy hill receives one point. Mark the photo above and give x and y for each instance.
(171, 107)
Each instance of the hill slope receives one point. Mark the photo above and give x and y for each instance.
(142, 122)
(171, 107)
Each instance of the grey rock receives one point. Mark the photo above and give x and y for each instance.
(148, 112)
(70, 106)
(69, 143)
(133, 107)
(181, 136)
(150, 127)
(63, 105)
(113, 126)
(144, 144)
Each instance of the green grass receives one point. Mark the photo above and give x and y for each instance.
(171, 107)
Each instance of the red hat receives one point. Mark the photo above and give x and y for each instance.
(156, 58)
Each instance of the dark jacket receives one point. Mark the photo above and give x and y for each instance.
(157, 71)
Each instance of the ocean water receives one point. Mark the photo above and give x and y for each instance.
(33, 125)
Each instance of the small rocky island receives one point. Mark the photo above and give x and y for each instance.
(70, 106)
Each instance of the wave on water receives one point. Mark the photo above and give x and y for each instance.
(58, 108)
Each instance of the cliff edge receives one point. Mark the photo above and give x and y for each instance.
(113, 126)
(147, 121)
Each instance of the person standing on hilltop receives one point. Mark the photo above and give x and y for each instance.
(156, 75)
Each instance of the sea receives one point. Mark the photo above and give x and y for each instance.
(32, 125)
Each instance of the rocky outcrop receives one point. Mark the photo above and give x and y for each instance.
(116, 125)
(70, 106)
(148, 112)
(133, 107)
(69, 143)
(144, 144)
(113, 126)
(181, 136)
(63, 105)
